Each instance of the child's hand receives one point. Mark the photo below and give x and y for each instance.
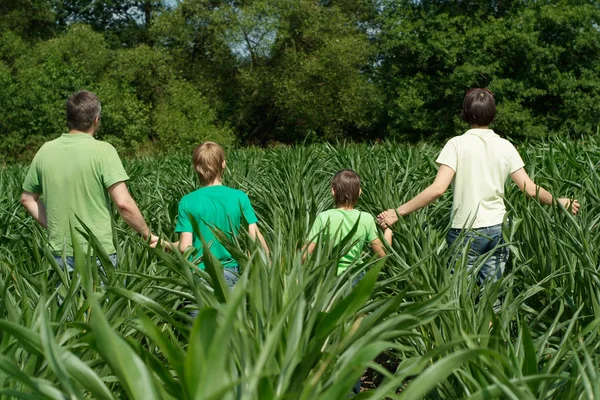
(387, 218)
(573, 203)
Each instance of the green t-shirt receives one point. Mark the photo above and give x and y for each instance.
(340, 223)
(219, 207)
(72, 173)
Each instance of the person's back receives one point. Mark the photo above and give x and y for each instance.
(219, 207)
(72, 178)
(478, 164)
(483, 161)
(74, 173)
(214, 206)
(337, 223)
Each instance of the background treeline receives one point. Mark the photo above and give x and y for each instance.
(172, 73)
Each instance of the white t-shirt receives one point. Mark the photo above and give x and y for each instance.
(482, 161)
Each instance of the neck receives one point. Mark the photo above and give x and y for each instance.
(347, 208)
(479, 127)
(76, 132)
(216, 182)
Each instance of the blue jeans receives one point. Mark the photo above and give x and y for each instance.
(71, 262)
(231, 276)
(482, 241)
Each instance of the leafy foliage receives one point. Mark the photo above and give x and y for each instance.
(271, 71)
(293, 330)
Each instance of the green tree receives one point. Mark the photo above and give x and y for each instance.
(538, 58)
(30, 19)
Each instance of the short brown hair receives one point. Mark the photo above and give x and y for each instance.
(346, 188)
(479, 107)
(208, 160)
(82, 109)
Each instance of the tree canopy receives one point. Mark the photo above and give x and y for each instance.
(173, 73)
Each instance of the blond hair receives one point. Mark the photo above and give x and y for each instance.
(208, 158)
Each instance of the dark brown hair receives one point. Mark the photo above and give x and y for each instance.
(208, 160)
(346, 188)
(82, 109)
(479, 107)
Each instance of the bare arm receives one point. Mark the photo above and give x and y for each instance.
(185, 241)
(255, 233)
(526, 184)
(35, 207)
(129, 210)
(439, 186)
(387, 235)
(377, 247)
(308, 249)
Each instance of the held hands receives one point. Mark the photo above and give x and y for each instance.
(573, 204)
(387, 218)
(154, 240)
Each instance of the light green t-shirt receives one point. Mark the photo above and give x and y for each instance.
(339, 223)
(72, 173)
(219, 207)
(482, 161)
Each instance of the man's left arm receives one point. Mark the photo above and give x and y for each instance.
(35, 207)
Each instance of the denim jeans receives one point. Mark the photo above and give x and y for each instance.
(71, 262)
(482, 241)
(231, 278)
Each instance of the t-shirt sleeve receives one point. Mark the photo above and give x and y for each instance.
(316, 229)
(371, 229)
(515, 162)
(183, 220)
(33, 179)
(112, 170)
(449, 155)
(248, 211)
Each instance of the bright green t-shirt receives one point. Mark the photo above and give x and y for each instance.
(218, 207)
(339, 223)
(72, 173)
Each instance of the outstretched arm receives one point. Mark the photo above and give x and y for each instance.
(526, 184)
(35, 207)
(439, 186)
(129, 210)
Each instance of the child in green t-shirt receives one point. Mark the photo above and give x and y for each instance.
(214, 205)
(338, 222)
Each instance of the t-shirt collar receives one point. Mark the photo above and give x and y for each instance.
(77, 136)
(481, 132)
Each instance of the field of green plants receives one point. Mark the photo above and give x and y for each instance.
(289, 330)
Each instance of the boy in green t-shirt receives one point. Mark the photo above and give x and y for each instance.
(338, 222)
(214, 206)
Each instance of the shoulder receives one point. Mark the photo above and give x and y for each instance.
(366, 217)
(190, 197)
(236, 193)
(323, 215)
(454, 141)
(48, 146)
(104, 147)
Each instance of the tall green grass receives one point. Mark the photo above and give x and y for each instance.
(297, 331)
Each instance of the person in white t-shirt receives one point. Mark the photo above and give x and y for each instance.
(478, 164)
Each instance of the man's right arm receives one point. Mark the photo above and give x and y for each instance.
(129, 210)
(526, 184)
(35, 207)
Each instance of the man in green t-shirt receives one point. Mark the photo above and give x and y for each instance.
(73, 177)
(338, 222)
(214, 206)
